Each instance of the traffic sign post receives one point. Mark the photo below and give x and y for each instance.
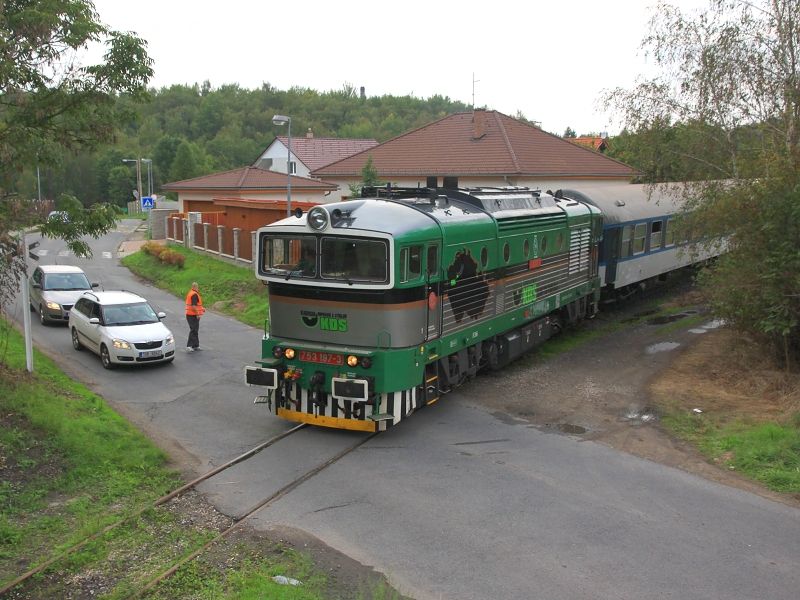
(147, 202)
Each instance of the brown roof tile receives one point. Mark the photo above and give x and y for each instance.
(490, 143)
(246, 178)
(318, 152)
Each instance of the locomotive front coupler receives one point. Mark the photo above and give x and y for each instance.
(317, 382)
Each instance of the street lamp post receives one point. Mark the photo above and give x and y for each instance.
(149, 162)
(280, 120)
(138, 162)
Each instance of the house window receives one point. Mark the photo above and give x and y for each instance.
(293, 167)
(432, 182)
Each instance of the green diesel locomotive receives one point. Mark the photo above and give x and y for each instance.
(379, 305)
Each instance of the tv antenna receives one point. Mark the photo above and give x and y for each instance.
(474, 81)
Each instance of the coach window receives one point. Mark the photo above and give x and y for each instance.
(655, 234)
(627, 238)
(669, 234)
(639, 236)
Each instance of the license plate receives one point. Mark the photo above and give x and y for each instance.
(324, 358)
(150, 354)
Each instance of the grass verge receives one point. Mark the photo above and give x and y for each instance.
(70, 465)
(227, 288)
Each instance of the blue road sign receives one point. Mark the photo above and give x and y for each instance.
(147, 202)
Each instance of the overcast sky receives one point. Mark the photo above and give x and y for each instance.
(551, 60)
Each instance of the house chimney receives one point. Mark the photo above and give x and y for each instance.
(478, 124)
(309, 134)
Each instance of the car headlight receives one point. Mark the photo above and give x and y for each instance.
(53, 305)
(120, 344)
(170, 340)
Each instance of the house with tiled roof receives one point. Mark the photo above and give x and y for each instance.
(250, 197)
(598, 143)
(309, 153)
(478, 148)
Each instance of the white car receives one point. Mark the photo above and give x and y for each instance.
(122, 328)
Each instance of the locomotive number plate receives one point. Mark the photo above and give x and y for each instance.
(324, 358)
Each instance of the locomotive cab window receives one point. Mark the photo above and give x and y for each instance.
(433, 261)
(354, 259)
(410, 263)
(293, 256)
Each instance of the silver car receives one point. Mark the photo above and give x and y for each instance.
(54, 290)
(122, 328)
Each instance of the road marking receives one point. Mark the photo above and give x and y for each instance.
(63, 253)
(106, 254)
(42, 252)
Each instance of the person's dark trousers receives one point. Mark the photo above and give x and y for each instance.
(194, 329)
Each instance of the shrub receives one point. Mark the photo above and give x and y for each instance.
(164, 254)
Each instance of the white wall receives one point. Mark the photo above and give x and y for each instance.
(277, 152)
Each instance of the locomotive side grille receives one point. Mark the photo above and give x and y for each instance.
(579, 251)
(526, 222)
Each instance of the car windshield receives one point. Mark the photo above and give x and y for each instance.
(129, 314)
(66, 281)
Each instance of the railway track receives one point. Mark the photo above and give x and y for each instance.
(27, 576)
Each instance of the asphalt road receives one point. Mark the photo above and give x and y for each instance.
(454, 503)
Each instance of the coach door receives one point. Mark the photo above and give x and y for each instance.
(433, 292)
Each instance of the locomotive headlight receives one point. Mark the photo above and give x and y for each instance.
(366, 362)
(318, 218)
(289, 353)
(277, 352)
(352, 361)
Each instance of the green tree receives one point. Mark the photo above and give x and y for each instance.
(569, 132)
(369, 178)
(120, 185)
(730, 83)
(50, 104)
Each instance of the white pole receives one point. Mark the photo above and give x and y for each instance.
(26, 313)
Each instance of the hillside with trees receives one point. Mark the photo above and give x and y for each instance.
(189, 131)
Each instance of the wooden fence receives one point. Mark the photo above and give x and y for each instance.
(202, 232)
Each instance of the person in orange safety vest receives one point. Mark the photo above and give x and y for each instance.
(194, 310)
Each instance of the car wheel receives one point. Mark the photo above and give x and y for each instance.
(105, 358)
(42, 318)
(76, 343)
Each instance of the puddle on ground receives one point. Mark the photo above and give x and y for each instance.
(641, 415)
(714, 324)
(661, 347)
(698, 331)
(664, 319)
(568, 428)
